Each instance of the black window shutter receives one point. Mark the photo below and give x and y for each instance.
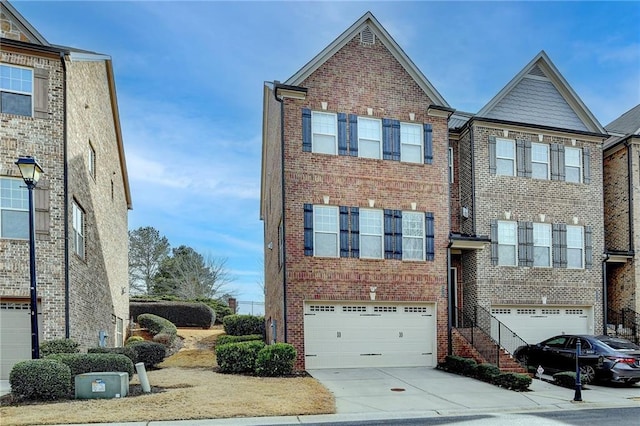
(492, 158)
(556, 246)
(430, 235)
(520, 164)
(308, 229)
(494, 242)
(529, 239)
(395, 136)
(342, 134)
(306, 129)
(353, 135)
(588, 247)
(428, 144)
(388, 234)
(527, 158)
(586, 165)
(561, 172)
(355, 232)
(387, 139)
(344, 231)
(522, 244)
(397, 237)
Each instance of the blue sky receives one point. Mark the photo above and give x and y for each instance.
(189, 78)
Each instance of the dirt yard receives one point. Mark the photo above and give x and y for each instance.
(186, 387)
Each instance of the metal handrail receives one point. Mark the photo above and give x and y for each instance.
(624, 323)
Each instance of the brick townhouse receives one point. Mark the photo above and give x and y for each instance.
(59, 105)
(384, 209)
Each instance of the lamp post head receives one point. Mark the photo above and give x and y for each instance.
(30, 170)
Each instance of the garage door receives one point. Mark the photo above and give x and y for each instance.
(537, 323)
(356, 334)
(15, 335)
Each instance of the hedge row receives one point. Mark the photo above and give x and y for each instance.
(182, 314)
(254, 357)
(225, 338)
(486, 372)
(241, 325)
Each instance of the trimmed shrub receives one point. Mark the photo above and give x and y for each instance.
(59, 346)
(40, 379)
(149, 353)
(128, 352)
(238, 357)
(460, 365)
(221, 308)
(133, 339)
(241, 325)
(95, 362)
(182, 314)
(225, 338)
(487, 372)
(566, 379)
(275, 360)
(160, 327)
(513, 381)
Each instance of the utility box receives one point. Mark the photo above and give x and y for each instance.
(107, 384)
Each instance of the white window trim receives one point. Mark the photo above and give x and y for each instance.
(336, 231)
(573, 166)
(514, 244)
(360, 138)
(547, 163)
(547, 226)
(380, 215)
(78, 221)
(19, 91)
(512, 159)
(334, 116)
(92, 161)
(421, 238)
(451, 176)
(26, 209)
(572, 247)
(420, 143)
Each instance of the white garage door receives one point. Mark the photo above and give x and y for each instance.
(15, 335)
(357, 334)
(537, 323)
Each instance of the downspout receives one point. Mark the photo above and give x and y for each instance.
(449, 282)
(605, 306)
(284, 246)
(630, 189)
(473, 180)
(66, 199)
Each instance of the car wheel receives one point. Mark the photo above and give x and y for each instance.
(587, 374)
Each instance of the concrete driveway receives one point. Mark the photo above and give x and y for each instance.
(428, 391)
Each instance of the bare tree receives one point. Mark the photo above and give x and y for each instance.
(147, 250)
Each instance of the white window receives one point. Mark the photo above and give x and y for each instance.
(451, 165)
(78, 230)
(505, 157)
(119, 332)
(412, 236)
(324, 130)
(325, 231)
(573, 164)
(507, 243)
(371, 234)
(16, 90)
(92, 161)
(539, 161)
(14, 209)
(542, 245)
(411, 143)
(369, 138)
(575, 247)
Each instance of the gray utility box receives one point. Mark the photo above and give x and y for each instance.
(107, 384)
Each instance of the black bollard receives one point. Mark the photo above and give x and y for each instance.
(578, 395)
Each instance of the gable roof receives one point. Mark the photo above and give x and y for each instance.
(540, 95)
(368, 20)
(627, 124)
(20, 29)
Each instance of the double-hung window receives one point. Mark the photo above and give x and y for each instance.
(78, 229)
(451, 165)
(411, 143)
(542, 245)
(573, 164)
(575, 247)
(369, 138)
(507, 243)
(14, 209)
(371, 234)
(324, 129)
(325, 231)
(505, 157)
(16, 90)
(539, 161)
(413, 242)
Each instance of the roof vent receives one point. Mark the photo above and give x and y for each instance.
(537, 71)
(367, 37)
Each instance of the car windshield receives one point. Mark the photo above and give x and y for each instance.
(620, 344)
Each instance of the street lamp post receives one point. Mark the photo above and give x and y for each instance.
(31, 171)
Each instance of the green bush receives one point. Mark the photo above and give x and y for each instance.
(160, 327)
(275, 360)
(566, 379)
(225, 338)
(487, 372)
(179, 313)
(40, 379)
(149, 353)
(94, 362)
(238, 357)
(221, 308)
(460, 365)
(128, 352)
(513, 381)
(133, 339)
(59, 346)
(241, 325)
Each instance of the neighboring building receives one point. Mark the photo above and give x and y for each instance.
(355, 205)
(528, 235)
(621, 219)
(59, 105)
